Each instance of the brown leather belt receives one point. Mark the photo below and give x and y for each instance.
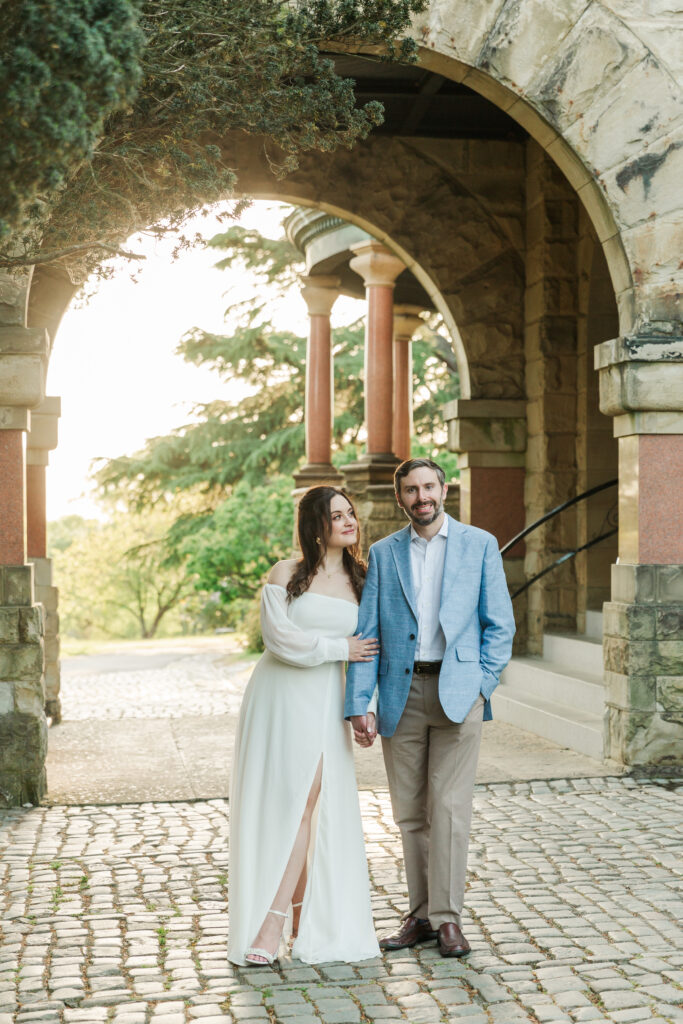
(427, 667)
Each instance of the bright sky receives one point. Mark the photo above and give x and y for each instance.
(113, 363)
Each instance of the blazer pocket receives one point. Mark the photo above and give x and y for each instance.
(383, 666)
(467, 653)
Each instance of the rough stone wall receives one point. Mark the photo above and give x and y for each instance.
(551, 368)
(455, 210)
(643, 627)
(596, 449)
(23, 728)
(47, 596)
(598, 85)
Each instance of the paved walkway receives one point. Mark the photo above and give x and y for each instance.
(116, 911)
(157, 722)
(573, 912)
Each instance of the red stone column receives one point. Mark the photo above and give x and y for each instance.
(319, 293)
(13, 487)
(379, 269)
(406, 322)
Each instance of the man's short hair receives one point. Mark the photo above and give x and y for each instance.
(410, 464)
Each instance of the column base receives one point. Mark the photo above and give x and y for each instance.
(23, 727)
(375, 470)
(643, 653)
(48, 597)
(316, 475)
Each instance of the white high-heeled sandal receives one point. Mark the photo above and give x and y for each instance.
(267, 958)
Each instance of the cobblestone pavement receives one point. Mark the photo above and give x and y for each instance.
(205, 683)
(574, 913)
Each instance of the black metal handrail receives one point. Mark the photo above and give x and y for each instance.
(550, 515)
(554, 512)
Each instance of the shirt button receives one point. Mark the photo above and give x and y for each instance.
(412, 636)
(407, 671)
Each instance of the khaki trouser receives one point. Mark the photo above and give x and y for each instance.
(431, 765)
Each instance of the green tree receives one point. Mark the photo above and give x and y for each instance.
(207, 68)
(115, 577)
(65, 66)
(262, 434)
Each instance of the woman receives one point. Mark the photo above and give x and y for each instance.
(293, 756)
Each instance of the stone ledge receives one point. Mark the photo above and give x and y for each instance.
(659, 341)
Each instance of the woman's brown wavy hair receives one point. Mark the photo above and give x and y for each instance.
(314, 526)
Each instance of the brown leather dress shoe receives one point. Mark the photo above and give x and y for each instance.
(452, 942)
(412, 931)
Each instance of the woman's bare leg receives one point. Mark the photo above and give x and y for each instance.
(297, 900)
(270, 931)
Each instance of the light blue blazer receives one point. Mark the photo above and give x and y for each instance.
(475, 615)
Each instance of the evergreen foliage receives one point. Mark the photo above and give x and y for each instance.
(207, 68)
(65, 66)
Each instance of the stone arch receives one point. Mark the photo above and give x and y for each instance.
(597, 85)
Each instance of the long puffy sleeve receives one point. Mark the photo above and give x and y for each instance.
(290, 644)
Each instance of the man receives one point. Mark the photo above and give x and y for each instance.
(436, 597)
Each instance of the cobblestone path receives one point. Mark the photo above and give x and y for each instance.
(574, 913)
(205, 683)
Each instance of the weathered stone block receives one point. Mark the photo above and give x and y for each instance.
(638, 737)
(631, 691)
(9, 626)
(633, 584)
(670, 698)
(635, 622)
(669, 622)
(23, 748)
(30, 625)
(21, 661)
(29, 699)
(6, 697)
(16, 585)
(595, 56)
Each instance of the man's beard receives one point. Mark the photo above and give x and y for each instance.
(428, 517)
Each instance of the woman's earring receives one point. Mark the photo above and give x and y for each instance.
(317, 540)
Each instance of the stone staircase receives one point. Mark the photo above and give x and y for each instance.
(560, 696)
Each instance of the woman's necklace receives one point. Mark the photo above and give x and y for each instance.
(335, 573)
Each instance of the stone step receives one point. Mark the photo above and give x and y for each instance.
(576, 653)
(594, 625)
(568, 726)
(554, 682)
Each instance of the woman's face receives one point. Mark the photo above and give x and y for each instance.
(344, 528)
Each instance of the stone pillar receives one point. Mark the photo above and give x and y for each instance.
(42, 439)
(641, 385)
(490, 437)
(551, 323)
(406, 322)
(23, 727)
(370, 479)
(319, 293)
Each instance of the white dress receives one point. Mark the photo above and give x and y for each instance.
(292, 715)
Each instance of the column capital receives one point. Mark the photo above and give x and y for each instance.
(14, 417)
(320, 292)
(376, 264)
(24, 353)
(407, 321)
(43, 434)
(487, 426)
(642, 373)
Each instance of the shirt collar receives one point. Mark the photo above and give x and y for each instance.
(443, 532)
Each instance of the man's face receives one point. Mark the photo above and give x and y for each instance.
(422, 496)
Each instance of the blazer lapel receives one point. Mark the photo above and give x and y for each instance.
(453, 561)
(400, 549)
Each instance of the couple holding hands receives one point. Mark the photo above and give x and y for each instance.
(426, 630)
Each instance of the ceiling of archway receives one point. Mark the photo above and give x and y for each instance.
(418, 102)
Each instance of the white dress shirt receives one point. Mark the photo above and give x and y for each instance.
(427, 558)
